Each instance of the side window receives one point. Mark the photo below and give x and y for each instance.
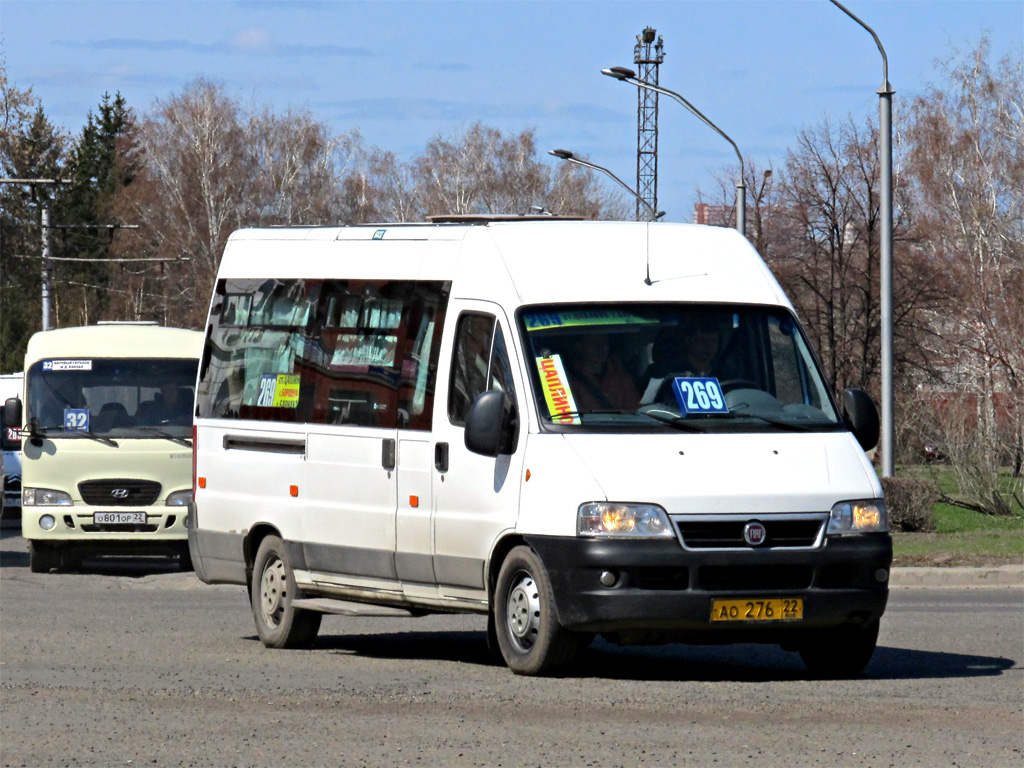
(480, 362)
(501, 369)
(351, 352)
(469, 364)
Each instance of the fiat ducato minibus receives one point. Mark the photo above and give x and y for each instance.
(573, 428)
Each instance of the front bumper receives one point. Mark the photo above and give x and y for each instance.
(76, 523)
(663, 592)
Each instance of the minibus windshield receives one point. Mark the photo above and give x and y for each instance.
(106, 398)
(689, 367)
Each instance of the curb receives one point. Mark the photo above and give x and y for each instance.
(985, 576)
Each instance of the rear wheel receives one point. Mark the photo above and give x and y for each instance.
(40, 557)
(278, 623)
(531, 640)
(841, 652)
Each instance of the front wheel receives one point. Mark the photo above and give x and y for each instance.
(40, 557)
(278, 623)
(840, 652)
(531, 640)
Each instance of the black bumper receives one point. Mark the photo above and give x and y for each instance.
(663, 591)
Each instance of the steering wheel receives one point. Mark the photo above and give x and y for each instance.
(730, 384)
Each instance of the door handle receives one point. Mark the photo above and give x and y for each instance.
(387, 454)
(441, 457)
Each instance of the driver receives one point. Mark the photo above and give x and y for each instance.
(692, 348)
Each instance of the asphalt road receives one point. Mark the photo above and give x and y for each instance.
(138, 665)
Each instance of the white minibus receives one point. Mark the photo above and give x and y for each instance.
(572, 427)
(10, 445)
(106, 442)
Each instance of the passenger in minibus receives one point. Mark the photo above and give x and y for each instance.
(599, 381)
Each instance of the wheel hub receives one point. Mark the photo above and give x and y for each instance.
(272, 591)
(523, 612)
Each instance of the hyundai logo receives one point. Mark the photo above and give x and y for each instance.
(754, 534)
(119, 493)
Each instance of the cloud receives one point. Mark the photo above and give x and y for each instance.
(444, 66)
(250, 41)
(436, 109)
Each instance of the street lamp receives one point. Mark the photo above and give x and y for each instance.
(885, 93)
(629, 76)
(564, 154)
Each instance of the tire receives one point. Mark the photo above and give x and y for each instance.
(40, 557)
(841, 652)
(278, 624)
(531, 640)
(185, 559)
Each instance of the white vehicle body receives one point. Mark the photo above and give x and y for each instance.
(107, 441)
(10, 443)
(333, 452)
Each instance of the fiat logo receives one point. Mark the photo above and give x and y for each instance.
(754, 534)
(119, 493)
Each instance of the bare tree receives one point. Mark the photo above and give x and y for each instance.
(208, 168)
(968, 161)
(296, 165)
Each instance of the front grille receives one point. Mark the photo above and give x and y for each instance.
(728, 578)
(727, 533)
(118, 528)
(119, 493)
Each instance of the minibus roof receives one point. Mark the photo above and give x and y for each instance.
(114, 341)
(531, 260)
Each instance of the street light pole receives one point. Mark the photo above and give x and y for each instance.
(885, 93)
(629, 76)
(564, 154)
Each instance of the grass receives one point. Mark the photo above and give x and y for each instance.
(962, 536)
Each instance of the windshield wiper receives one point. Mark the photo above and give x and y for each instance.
(556, 417)
(679, 422)
(166, 435)
(786, 425)
(94, 436)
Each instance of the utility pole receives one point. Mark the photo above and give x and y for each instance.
(46, 273)
(47, 270)
(47, 267)
(647, 55)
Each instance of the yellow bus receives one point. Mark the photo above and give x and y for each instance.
(107, 442)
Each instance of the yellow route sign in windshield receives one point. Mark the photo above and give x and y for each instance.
(557, 394)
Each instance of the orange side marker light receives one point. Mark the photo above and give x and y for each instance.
(414, 501)
(527, 475)
(202, 482)
(293, 490)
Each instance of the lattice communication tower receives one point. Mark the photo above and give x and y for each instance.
(647, 55)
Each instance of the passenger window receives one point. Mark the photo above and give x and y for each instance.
(480, 362)
(352, 352)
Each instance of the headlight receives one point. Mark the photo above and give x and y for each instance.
(44, 497)
(639, 521)
(859, 517)
(179, 499)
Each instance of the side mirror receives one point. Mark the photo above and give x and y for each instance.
(12, 412)
(861, 417)
(491, 424)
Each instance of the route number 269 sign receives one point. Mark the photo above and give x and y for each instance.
(699, 395)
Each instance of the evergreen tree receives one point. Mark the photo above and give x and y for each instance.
(99, 166)
(31, 147)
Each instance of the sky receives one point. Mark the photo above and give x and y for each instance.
(403, 73)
